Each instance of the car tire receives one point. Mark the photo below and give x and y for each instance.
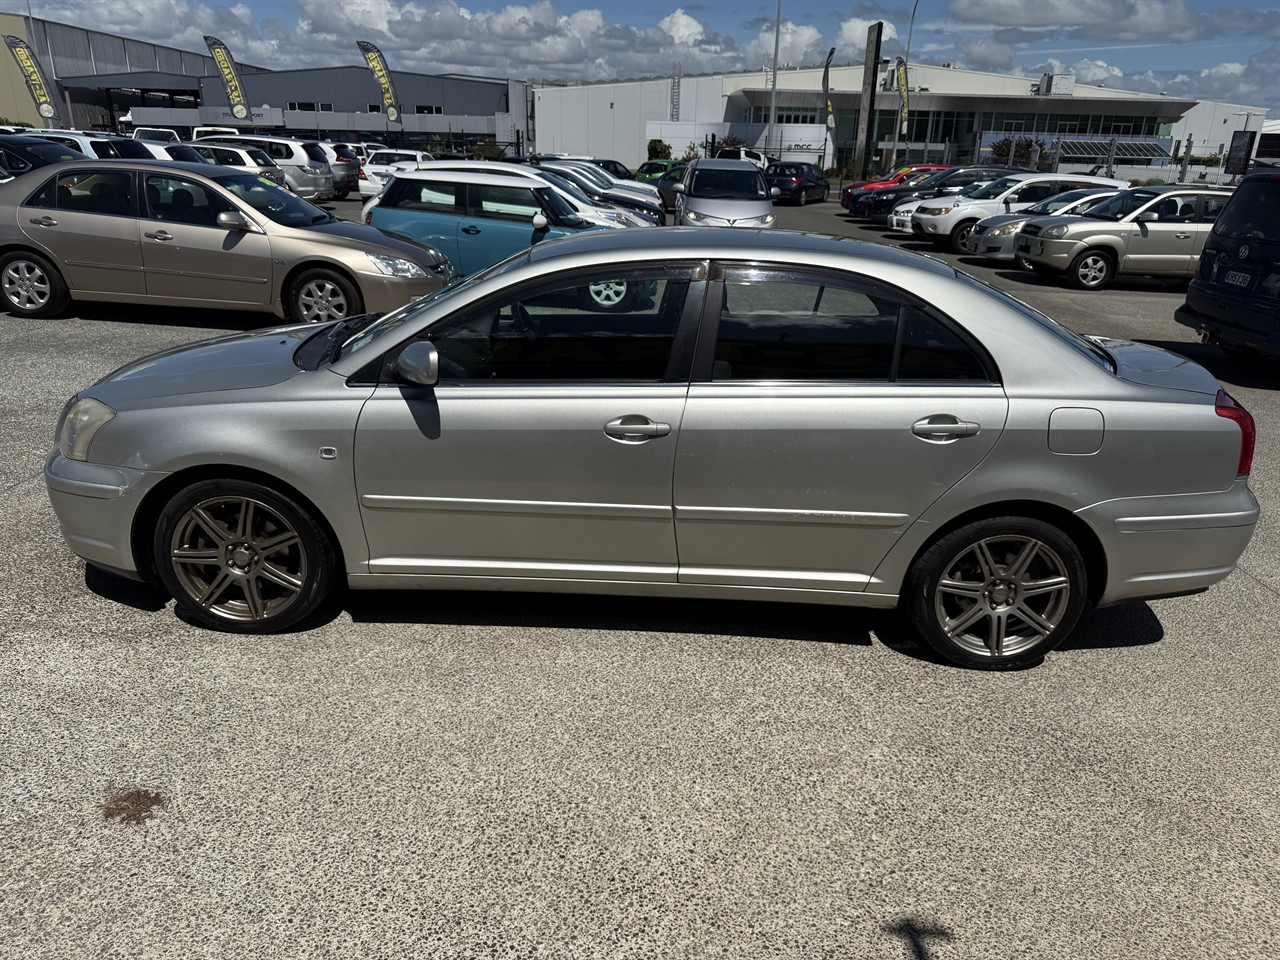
(968, 593)
(609, 296)
(320, 295)
(959, 234)
(826, 193)
(341, 194)
(804, 196)
(31, 286)
(243, 558)
(1091, 270)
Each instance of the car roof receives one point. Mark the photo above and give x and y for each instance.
(718, 164)
(1184, 187)
(704, 242)
(458, 176)
(149, 166)
(22, 139)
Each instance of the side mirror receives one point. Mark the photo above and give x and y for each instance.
(233, 220)
(678, 187)
(1147, 216)
(540, 221)
(419, 364)
(774, 192)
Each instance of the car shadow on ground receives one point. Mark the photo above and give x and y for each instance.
(197, 318)
(1261, 372)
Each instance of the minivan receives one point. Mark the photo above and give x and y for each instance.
(1234, 298)
(304, 164)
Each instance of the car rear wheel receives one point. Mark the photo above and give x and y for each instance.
(1091, 270)
(341, 195)
(826, 193)
(804, 196)
(320, 295)
(999, 593)
(31, 285)
(240, 557)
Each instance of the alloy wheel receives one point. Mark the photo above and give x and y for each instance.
(26, 286)
(608, 293)
(322, 300)
(1093, 270)
(1002, 595)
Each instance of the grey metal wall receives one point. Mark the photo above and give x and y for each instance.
(69, 51)
(352, 89)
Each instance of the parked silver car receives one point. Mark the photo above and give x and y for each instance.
(782, 416)
(724, 193)
(995, 237)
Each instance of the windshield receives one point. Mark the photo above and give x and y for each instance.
(1082, 345)
(783, 170)
(274, 201)
(258, 157)
(991, 189)
(587, 187)
(566, 186)
(1053, 204)
(1122, 204)
(559, 206)
(1252, 212)
(595, 175)
(396, 319)
(712, 184)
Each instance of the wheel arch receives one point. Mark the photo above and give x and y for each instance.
(1095, 558)
(148, 513)
(299, 269)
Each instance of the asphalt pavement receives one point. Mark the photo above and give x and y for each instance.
(515, 776)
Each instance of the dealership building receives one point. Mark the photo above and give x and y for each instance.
(107, 82)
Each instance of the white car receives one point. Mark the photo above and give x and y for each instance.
(380, 165)
(996, 237)
(948, 221)
(900, 217)
(606, 180)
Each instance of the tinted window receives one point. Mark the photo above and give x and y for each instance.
(132, 149)
(611, 327)
(258, 157)
(226, 158)
(1035, 192)
(185, 154)
(933, 351)
(102, 149)
(430, 195)
(713, 184)
(344, 152)
(1253, 212)
(183, 201)
(315, 153)
(94, 191)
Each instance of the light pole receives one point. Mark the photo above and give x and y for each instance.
(906, 75)
(773, 87)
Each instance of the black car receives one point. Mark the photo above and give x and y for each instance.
(615, 168)
(1234, 298)
(635, 202)
(18, 154)
(667, 185)
(876, 205)
(798, 182)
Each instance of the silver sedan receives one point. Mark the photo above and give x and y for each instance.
(771, 416)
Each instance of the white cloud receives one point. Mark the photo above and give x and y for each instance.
(682, 27)
(797, 44)
(852, 39)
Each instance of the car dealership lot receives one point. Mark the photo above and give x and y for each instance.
(481, 775)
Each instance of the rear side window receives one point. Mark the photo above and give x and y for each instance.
(428, 195)
(505, 203)
(227, 158)
(103, 150)
(130, 149)
(95, 191)
(258, 157)
(1252, 212)
(315, 153)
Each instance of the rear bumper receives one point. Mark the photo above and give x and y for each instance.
(1267, 343)
(1165, 546)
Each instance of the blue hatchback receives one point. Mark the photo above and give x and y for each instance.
(474, 219)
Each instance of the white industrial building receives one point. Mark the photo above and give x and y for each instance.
(953, 115)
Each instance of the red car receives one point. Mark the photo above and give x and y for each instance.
(901, 175)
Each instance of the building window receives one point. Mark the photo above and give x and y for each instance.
(428, 109)
(326, 108)
(374, 108)
(302, 106)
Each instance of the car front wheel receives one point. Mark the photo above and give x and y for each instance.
(320, 295)
(1091, 270)
(960, 235)
(240, 557)
(999, 593)
(31, 285)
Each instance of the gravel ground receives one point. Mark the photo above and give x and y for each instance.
(507, 776)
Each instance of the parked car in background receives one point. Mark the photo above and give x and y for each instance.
(380, 166)
(798, 182)
(899, 220)
(195, 235)
(105, 146)
(614, 168)
(652, 170)
(626, 199)
(475, 219)
(1148, 231)
(165, 150)
(345, 167)
(503, 434)
(996, 237)
(667, 185)
(606, 180)
(724, 193)
(876, 205)
(19, 154)
(912, 173)
(161, 134)
(947, 221)
(248, 158)
(1233, 299)
(362, 150)
(757, 157)
(304, 164)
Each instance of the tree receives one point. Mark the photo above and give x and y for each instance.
(659, 150)
(1018, 152)
(729, 142)
(691, 153)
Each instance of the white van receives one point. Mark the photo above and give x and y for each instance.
(948, 221)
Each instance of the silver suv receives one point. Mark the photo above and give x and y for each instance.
(1154, 231)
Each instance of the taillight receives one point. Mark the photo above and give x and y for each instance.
(795, 180)
(1226, 406)
(362, 176)
(368, 218)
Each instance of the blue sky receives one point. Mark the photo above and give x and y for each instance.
(1209, 49)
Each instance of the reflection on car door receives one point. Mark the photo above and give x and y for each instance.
(88, 221)
(498, 224)
(1163, 245)
(546, 450)
(187, 256)
(819, 437)
(425, 210)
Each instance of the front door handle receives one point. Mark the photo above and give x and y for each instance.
(1183, 236)
(635, 429)
(944, 428)
(159, 235)
(44, 221)
(471, 230)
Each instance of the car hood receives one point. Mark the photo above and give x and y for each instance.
(238, 362)
(1157, 367)
(346, 234)
(1000, 219)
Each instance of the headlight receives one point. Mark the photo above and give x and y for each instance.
(395, 267)
(692, 216)
(1004, 231)
(763, 220)
(934, 211)
(619, 219)
(83, 419)
(1053, 233)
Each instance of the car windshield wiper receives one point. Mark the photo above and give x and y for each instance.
(343, 331)
(323, 218)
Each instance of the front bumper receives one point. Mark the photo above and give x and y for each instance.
(382, 294)
(95, 506)
(996, 248)
(1057, 254)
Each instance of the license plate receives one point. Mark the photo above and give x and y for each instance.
(1236, 278)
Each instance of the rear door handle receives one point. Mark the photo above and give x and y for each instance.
(44, 221)
(1183, 236)
(471, 229)
(944, 428)
(635, 429)
(159, 235)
